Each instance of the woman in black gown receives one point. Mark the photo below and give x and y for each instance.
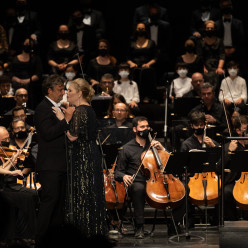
(88, 198)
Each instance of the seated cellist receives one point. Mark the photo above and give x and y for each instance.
(128, 161)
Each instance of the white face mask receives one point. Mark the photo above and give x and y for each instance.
(124, 74)
(233, 72)
(70, 75)
(182, 72)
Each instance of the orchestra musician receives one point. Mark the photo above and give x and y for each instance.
(128, 161)
(198, 140)
(18, 202)
(230, 177)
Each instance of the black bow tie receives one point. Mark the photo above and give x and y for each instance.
(227, 20)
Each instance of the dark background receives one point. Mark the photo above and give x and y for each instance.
(118, 16)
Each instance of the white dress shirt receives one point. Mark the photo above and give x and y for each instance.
(128, 90)
(233, 89)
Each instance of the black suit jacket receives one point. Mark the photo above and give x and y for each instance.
(51, 138)
(237, 33)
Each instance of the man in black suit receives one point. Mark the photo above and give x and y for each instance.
(51, 158)
(232, 31)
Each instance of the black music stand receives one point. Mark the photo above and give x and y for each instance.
(192, 162)
(100, 105)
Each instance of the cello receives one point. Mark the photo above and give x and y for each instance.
(204, 186)
(162, 190)
(115, 192)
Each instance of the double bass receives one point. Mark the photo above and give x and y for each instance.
(162, 190)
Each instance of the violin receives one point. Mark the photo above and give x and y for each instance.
(162, 190)
(7, 152)
(115, 192)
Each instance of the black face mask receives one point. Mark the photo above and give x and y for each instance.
(141, 33)
(63, 35)
(210, 33)
(5, 143)
(21, 135)
(27, 49)
(190, 49)
(198, 131)
(102, 52)
(143, 134)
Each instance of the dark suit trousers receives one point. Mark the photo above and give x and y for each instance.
(52, 201)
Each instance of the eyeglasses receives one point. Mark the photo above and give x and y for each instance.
(18, 128)
(120, 110)
(23, 95)
(107, 82)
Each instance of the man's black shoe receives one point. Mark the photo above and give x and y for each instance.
(139, 234)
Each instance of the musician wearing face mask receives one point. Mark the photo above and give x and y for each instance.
(198, 139)
(230, 177)
(233, 90)
(128, 162)
(19, 135)
(21, 202)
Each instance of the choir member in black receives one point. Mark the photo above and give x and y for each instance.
(128, 162)
(230, 177)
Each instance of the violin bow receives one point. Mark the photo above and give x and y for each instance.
(233, 104)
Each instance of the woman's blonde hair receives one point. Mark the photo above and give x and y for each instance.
(82, 85)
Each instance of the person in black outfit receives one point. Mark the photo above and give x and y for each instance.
(19, 199)
(212, 108)
(196, 140)
(230, 177)
(51, 159)
(127, 164)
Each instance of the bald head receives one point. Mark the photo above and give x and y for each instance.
(4, 134)
(21, 96)
(197, 80)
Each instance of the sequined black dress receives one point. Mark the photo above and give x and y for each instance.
(88, 198)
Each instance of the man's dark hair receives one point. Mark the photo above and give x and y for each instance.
(197, 117)
(5, 79)
(232, 64)
(17, 108)
(237, 121)
(136, 120)
(51, 81)
(207, 85)
(15, 120)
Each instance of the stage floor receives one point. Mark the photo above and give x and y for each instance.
(198, 237)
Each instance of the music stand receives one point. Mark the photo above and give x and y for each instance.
(100, 105)
(192, 162)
